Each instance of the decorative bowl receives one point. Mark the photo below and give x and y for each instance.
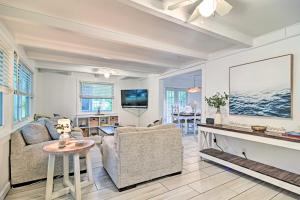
(260, 129)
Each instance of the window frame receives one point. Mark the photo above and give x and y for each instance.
(20, 94)
(81, 97)
(6, 81)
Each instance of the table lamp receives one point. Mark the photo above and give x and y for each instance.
(63, 127)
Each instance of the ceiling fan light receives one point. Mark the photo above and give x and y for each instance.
(106, 75)
(207, 7)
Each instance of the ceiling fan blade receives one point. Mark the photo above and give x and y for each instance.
(181, 4)
(195, 14)
(223, 7)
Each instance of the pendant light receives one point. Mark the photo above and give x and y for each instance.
(194, 89)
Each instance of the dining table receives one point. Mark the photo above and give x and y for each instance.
(187, 116)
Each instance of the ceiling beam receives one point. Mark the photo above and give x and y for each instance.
(67, 59)
(86, 69)
(10, 12)
(67, 47)
(180, 17)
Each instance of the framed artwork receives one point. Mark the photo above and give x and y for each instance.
(262, 88)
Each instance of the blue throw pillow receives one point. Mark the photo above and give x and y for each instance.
(52, 130)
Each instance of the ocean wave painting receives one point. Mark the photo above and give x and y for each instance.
(262, 88)
(268, 103)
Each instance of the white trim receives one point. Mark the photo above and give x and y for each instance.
(255, 174)
(4, 191)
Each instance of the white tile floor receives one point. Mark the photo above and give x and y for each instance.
(200, 181)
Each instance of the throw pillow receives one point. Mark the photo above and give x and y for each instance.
(52, 130)
(34, 133)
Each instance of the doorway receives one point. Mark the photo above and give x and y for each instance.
(179, 96)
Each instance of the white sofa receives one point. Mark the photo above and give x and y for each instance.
(135, 155)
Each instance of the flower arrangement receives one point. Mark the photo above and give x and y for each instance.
(217, 100)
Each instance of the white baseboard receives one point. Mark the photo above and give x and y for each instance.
(4, 191)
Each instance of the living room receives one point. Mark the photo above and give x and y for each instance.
(187, 73)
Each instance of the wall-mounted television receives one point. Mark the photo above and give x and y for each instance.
(134, 98)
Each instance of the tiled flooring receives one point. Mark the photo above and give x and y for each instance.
(199, 181)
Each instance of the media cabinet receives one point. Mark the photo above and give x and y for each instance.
(90, 124)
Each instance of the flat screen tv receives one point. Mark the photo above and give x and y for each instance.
(134, 98)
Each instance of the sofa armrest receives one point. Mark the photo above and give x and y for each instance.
(77, 129)
(77, 133)
(17, 143)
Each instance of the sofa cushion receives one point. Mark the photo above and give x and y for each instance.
(52, 130)
(34, 133)
(121, 130)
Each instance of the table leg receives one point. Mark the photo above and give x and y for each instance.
(89, 167)
(66, 180)
(194, 126)
(186, 126)
(77, 177)
(50, 174)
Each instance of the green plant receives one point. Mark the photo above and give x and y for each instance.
(217, 100)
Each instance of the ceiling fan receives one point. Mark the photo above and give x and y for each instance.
(204, 8)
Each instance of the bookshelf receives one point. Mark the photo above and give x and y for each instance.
(90, 124)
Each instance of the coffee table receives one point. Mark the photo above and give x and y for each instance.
(70, 150)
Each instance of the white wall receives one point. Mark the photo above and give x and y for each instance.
(154, 86)
(216, 78)
(8, 127)
(59, 93)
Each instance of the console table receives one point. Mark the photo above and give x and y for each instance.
(281, 178)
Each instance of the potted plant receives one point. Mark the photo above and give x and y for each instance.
(217, 101)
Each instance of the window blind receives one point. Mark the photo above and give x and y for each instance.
(96, 90)
(22, 79)
(5, 75)
(22, 83)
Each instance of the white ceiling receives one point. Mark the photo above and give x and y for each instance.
(185, 80)
(134, 37)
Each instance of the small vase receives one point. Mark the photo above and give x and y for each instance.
(63, 140)
(218, 117)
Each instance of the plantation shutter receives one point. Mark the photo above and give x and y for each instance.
(22, 79)
(5, 75)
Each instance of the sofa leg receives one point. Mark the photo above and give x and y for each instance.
(127, 188)
(174, 174)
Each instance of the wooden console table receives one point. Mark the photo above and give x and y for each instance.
(281, 178)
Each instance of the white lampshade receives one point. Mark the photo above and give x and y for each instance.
(207, 7)
(66, 124)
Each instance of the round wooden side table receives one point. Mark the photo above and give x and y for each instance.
(69, 150)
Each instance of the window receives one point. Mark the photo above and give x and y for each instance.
(96, 97)
(22, 90)
(4, 78)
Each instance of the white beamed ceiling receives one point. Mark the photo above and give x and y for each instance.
(133, 37)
